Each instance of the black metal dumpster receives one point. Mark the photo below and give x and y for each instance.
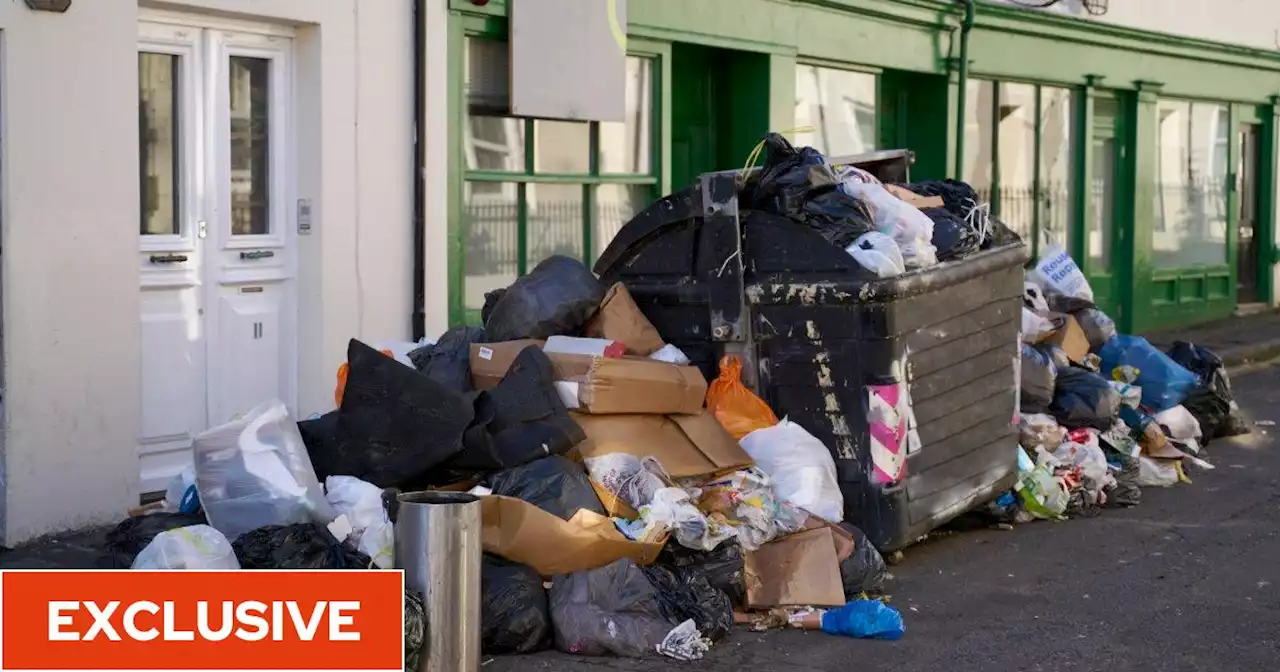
(826, 343)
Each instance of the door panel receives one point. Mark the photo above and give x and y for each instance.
(217, 262)
(1103, 230)
(248, 349)
(1249, 137)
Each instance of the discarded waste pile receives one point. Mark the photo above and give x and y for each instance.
(1105, 414)
(628, 506)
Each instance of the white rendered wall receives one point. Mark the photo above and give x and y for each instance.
(71, 348)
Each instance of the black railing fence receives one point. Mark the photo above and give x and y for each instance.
(554, 227)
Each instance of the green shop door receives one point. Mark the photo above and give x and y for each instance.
(1103, 233)
(719, 109)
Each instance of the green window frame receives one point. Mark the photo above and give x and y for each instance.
(513, 212)
(1040, 203)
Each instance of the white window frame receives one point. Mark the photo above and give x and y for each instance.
(182, 42)
(221, 47)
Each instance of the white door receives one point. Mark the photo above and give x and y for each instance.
(218, 251)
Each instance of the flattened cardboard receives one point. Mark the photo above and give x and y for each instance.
(802, 569)
(913, 198)
(685, 445)
(523, 533)
(490, 361)
(620, 319)
(640, 386)
(614, 505)
(1070, 337)
(605, 385)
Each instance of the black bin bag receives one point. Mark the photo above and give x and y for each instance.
(1083, 399)
(126, 540)
(554, 484)
(415, 630)
(610, 610)
(724, 567)
(448, 360)
(513, 608)
(685, 594)
(800, 184)
(1212, 403)
(395, 424)
(519, 421)
(301, 546)
(557, 298)
(864, 570)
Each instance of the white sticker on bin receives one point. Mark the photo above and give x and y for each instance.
(486, 354)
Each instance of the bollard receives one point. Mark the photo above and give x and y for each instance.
(438, 547)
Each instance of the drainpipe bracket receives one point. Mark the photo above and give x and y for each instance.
(1094, 80)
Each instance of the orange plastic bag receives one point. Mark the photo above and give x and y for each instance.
(738, 409)
(343, 371)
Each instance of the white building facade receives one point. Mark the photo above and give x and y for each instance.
(203, 200)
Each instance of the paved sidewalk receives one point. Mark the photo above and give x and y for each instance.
(1238, 340)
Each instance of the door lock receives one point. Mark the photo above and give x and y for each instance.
(202, 229)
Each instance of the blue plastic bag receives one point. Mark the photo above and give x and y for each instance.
(1164, 382)
(868, 619)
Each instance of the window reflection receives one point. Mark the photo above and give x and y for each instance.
(1017, 115)
(1191, 192)
(625, 147)
(1057, 121)
(979, 137)
(840, 107)
(250, 145)
(158, 149)
(493, 225)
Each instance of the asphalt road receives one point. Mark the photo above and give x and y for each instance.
(1188, 580)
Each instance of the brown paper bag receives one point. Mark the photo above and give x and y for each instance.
(523, 533)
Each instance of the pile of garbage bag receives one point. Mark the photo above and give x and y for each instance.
(1105, 414)
(629, 506)
(888, 229)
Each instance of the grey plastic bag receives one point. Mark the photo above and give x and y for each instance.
(611, 610)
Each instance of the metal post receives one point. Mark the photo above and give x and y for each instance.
(438, 547)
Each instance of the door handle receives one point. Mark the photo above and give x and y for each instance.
(168, 258)
(257, 254)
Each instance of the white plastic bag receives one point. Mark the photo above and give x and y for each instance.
(1181, 425)
(178, 487)
(625, 476)
(1033, 298)
(193, 547)
(1035, 328)
(1091, 460)
(801, 467)
(1038, 430)
(672, 509)
(254, 471)
(878, 253)
(1059, 272)
(1156, 473)
(361, 502)
(671, 355)
(910, 228)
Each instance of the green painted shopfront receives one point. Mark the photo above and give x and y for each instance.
(1152, 158)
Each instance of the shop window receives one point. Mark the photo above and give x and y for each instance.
(837, 109)
(1018, 156)
(1190, 227)
(537, 188)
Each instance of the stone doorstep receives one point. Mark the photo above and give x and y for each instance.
(1239, 340)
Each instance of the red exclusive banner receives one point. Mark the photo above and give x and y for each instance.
(179, 620)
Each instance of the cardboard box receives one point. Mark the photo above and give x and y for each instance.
(802, 569)
(614, 505)
(685, 445)
(1070, 337)
(913, 198)
(603, 385)
(620, 319)
(523, 533)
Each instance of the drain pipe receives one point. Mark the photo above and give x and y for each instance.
(962, 103)
(419, 315)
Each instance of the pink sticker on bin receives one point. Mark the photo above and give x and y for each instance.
(888, 421)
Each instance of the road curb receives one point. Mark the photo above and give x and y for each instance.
(1253, 353)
